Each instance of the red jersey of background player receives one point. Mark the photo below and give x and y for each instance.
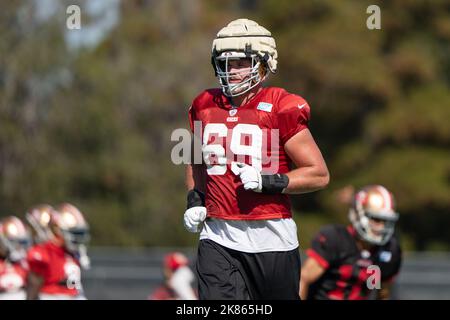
(59, 269)
(13, 277)
(246, 134)
(163, 292)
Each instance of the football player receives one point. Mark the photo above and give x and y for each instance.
(358, 261)
(55, 264)
(238, 193)
(178, 279)
(14, 241)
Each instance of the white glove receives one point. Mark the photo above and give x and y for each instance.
(250, 177)
(193, 217)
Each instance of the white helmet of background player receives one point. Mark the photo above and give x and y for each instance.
(373, 214)
(14, 238)
(39, 218)
(69, 223)
(243, 39)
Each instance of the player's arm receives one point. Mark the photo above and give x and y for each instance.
(195, 181)
(34, 284)
(195, 177)
(311, 173)
(311, 272)
(38, 263)
(189, 177)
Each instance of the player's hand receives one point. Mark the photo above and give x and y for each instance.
(193, 218)
(250, 177)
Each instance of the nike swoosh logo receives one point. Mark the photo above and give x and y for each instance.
(301, 106)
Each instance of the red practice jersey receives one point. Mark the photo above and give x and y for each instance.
(13, 276)
(255, 134)
(61, 272)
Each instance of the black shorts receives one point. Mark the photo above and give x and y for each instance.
(226, 274)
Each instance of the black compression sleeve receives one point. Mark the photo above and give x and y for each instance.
(195, 198)
(274, 183)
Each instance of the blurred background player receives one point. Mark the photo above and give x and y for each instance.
(339, 257)
(39, 219)
(14, 241)
(55, 264)
(178, 279)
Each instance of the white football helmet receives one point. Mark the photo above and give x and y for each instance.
(14, 238)
(39, 218)
(373, 214)
(243, 39)
(71, 224)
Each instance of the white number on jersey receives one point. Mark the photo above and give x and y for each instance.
(218, 166)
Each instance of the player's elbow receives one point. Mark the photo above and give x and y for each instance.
(323, 178)
(326, 180)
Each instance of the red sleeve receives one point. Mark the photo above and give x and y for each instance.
(293, 116)
(320, 260)
(37, 261)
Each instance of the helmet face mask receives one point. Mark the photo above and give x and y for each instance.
(75, 237)
(70, 225)
(17, 249)
(372, 214)
(250, 77)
